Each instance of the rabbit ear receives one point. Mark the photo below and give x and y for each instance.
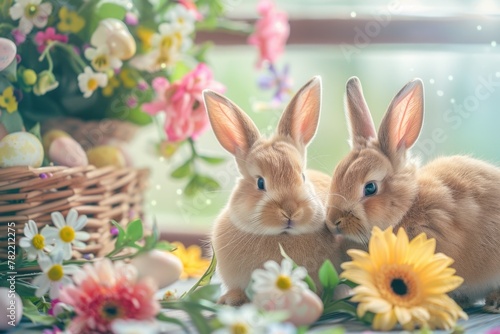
(403, 120)
(301, 116)
(235, 131)
(358, 115)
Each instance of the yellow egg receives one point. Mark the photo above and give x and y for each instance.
(20, 149)
(101, 156)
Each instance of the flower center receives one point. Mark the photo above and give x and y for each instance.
(239, 328)
(30, 11)
(283, 282)
(55, 272)
(399, 287)
(167, 42)
(92, 84)
(38, 241)
(67, 234)
(101, 61)
(399, 284)
(111, 311)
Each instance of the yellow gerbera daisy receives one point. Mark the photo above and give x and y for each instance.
(194, 264)
(403, 282)
(8, 100)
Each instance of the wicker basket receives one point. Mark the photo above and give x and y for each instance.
(103, 194)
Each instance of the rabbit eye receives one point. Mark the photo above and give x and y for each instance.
(261, 184)
(370, 189)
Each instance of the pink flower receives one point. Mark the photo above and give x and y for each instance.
(107, 291)
(191, 6)
(182, 103)
(19, 36)
(131, 19)
(494, 331)
(43, 38)
(271, 32)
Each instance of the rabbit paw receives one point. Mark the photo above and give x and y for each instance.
(235, 297)
(492, 304)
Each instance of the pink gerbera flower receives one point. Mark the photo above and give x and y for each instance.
(108, 291)
(43, 38)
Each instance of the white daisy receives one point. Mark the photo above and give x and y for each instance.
(281, 328)
(101, 59)
(170, 39)
(243, 320)
(277, 281)
(53, 276)
(34, 243)
(32, 13)
(89, 81)
(182, 19)
(67, 232)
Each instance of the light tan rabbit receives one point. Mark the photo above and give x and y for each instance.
(276, 201)
(455, 199)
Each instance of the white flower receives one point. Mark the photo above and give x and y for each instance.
(281, 328)
(33, 242)
(280, 281)
(89, 81)
(170, 39)
(53, 276)
(181, 19)
(31, 12)
(67, 232)
(155, 60)
(101, 59)
(245, 319)
(121, 326)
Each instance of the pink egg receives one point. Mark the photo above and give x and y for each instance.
(304, 312)
(65, 151)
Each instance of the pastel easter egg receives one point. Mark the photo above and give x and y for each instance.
(164, 267)
(304, 312)
(12, 306)
(105, 155)
(49, 137)
(7, 53)
(20, 149)
(65, 151)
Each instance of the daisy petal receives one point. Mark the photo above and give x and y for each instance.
(80, 223)
(71, 218)
(81, 235)
(58, 219)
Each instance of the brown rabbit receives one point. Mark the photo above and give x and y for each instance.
(276, 201)
(455, 199)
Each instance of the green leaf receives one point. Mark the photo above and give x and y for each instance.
(207, 276)
(108, 9)
(134, 231)
(193, 187)
(212, 160)
(207, 292)
(184, 170)
(31, 312)
(120, 240)
(180, 70)
(35, 131)
(309, 281)
(12, 122)
(165, 246)
(163, 317)
(207, 183)
(198, 320)
(328, 276)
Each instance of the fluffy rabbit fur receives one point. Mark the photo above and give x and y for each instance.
(455, 199)
(288, 210)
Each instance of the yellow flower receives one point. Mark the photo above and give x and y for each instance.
(404, 282)
(70, 21)
(194, 265)
(127, 78)
(146, 36)
(113, 83)
(8, 100)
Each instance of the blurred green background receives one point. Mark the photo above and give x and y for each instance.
(456, 77)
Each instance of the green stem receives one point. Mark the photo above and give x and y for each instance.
(6, 26)
(226, 25)
(340, 306)
(72, 53)
(194, 153)
(161, 132)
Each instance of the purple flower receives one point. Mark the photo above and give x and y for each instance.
(131, 19)
(281, 83)
(142, 85)
(114, 231)
(132, 102)
(19, 36)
